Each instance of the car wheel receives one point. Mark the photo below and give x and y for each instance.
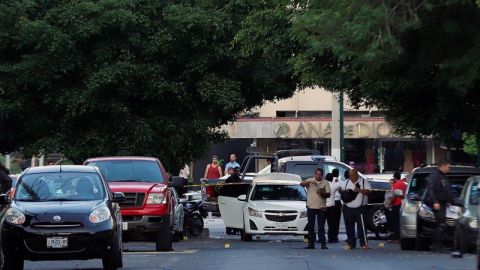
(163, 238)
(196, 225)
(407, 244)
(114, 259)
(12, 262)
(245, 236)
(421, 244)
(377, 221)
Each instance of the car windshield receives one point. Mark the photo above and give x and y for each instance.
(419, 182)
(279, 193)
(129, 170)
(61, 186)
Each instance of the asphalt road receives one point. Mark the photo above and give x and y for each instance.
(276, 253)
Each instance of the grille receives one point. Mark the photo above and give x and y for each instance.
(451, 222)
(281, 218)
(76, 243)
(281, 211)
(133, 200)
(132, 218)
(48, 225)
(289, 229)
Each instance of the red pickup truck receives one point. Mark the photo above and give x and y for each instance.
(151, 210)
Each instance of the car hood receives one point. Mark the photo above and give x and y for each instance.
(137, 187)
(278, 205)
(60, 207)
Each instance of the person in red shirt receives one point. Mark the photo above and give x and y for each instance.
(396, 203)
(213, 170)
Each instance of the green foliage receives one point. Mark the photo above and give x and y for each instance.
(470, 144)
(122, 77)
(415, 60)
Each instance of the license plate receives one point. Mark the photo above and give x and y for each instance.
(57, 242)
(281, 226)
(125, 226)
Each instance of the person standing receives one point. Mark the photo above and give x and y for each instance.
(334, 208)
(353, 210)
(318, 190)
(395, 203)
(5, 180)
(184, 172)
(213, 170)
(438, 196)
(232, 163)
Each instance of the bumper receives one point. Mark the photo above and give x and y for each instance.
(83, 244)
(259, 226)
(426, 229)
(408, 225)
(144, 224)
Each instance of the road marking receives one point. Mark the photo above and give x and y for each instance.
(188, 251)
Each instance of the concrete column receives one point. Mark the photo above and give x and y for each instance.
(430, 152)
(34, 161)
(41, 161)
(336, 141)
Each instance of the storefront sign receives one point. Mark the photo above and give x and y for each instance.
(324, 130)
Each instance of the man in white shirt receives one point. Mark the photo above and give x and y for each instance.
(334, 207)
(352, 211)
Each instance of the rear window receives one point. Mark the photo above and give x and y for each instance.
(129, 170)
(279, 193)
(419, 182)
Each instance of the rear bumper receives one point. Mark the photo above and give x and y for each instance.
(82, 244)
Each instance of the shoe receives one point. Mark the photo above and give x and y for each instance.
(324, 247)
(348, 247)
(364, 247)
(309, 247)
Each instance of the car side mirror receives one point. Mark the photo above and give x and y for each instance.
(242, 198)
(177, 182)
(4, 200)
(118, 197)
(398, 192)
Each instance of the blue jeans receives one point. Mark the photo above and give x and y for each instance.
(320, 216)
(352, 218)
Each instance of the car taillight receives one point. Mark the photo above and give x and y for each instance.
(210, 192)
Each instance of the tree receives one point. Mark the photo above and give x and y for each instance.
(415, 60)
(123, 77)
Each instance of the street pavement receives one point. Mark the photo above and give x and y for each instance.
(268, 252)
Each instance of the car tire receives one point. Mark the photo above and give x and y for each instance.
(374, 217)
(163, 238)
(245, 236)
(407, 244)
(421, 244)
(12, 262)
(114, 259)
(196, 224)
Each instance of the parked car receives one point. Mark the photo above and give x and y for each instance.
(467, 226)
(409, 233)
(274, 204)
(151, 210)
(62, 213)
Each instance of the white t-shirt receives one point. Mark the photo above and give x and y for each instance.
(334, 187)
(361, 199)
(337, 194)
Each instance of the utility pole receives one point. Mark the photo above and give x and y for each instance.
(342, 129)
(337, 125)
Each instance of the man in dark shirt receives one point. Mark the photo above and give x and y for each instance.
(233, 190)
(438, 196)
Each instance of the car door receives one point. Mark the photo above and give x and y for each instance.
(231, 210)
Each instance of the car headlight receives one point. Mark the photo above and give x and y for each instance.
(254, 213)
(473, 223)
(14, 216)
(410, 208)
(426, 212)
(156, 198)
(303, 214)
(100, 214)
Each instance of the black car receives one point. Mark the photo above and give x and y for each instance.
(61, 212)
(457, 176)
